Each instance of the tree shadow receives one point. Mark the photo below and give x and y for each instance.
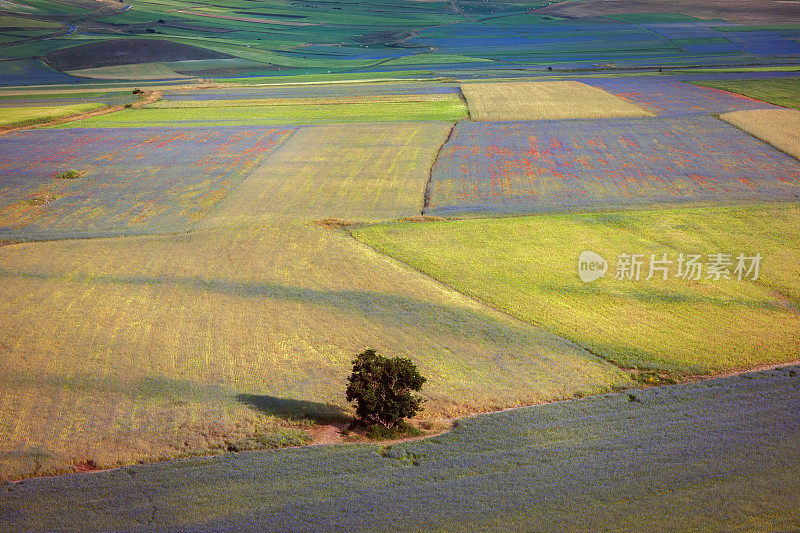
(291, 409)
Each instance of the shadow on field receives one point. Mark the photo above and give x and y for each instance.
(387, 307)
(294, 409)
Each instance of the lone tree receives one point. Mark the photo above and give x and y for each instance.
(382, 389)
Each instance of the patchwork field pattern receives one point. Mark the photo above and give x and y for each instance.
(120, 350)
(691, 457)
(132, 181)
(354, 172)
(528, 267)
(673, 98)
(555, 165)
(543, 100)
(778, 127)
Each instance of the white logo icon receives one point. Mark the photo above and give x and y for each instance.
(591, 266)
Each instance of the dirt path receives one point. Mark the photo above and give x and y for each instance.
(333, 433)
(328, 434)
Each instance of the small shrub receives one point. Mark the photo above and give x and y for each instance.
(383, 389)
(68, 175)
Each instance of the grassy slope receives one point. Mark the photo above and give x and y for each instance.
(543, 100)
(449, 110)
(20, 116)
(117, 350)
(694, 457)
(780, 91)
(528, 267)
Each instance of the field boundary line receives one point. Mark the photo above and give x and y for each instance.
(683, 377)
(320, 428)
(719, 116)
(475, 299)
(209, 221)
(426, 195)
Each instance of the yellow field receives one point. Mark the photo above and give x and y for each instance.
(544, 100)
(275, 310)
(137, 348)
(778, 127)
(356, 172)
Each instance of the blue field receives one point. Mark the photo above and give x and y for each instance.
(133, 180)
(705, 456)
(675, 99)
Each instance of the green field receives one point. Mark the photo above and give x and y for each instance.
(451, 109)
(7, 23)
(433, 59)
(21, 116)
(779, 91)
(527, 267)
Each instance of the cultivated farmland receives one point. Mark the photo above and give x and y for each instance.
(358, 172)
(19, 116)
(783, 91)
(191, 274)
(132, 181)
(206, 114)
(118, 350)
(673, 99)
(544, 100)
(523, 167)
(174, 338)
(528, 267)
(692, 457)
(778, 127)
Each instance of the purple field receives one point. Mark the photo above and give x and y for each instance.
(673, 98)
(551, 165)
(133, 180)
